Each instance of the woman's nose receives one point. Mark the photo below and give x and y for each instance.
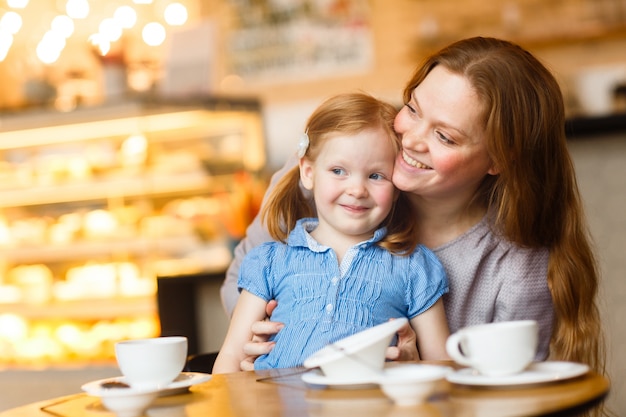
(413, 133)
(415, 140)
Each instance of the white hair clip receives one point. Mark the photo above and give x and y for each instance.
(303, 144)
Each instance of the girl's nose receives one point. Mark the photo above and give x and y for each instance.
(357, 188)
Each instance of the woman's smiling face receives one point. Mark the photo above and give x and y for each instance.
(444, 154)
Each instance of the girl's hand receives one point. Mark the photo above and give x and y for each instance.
(406, 349)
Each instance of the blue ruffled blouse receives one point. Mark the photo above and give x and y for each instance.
(320, 301)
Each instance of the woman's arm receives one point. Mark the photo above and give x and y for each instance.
(229, 292)
(255, 235)
(431, 329)
(249, 309)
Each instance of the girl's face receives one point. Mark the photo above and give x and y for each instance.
(351, 183)
(443, 156)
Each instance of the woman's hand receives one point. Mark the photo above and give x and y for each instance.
(406, 348)
(259, 345)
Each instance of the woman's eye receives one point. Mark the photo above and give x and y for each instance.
(443, 138)
(411, 108)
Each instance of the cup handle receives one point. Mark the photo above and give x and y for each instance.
(453, 347)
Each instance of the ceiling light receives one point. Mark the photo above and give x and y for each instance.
(63, 25)
(17, 4)
(126, 16)
(77, 9)
(11, 23)
(175, 14)
(153, 34)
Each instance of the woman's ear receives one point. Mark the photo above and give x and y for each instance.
(306, 173)
(493, 170)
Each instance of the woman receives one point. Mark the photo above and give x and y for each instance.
(486, 161)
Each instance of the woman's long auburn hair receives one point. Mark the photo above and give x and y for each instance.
(345, 114)
(535, 197)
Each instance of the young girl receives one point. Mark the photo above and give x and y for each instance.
(357, 264)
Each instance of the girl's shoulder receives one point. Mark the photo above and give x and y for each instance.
(265, 250)
(419, 263)
(424, 255)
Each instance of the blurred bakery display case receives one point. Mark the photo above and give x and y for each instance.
(98, 202)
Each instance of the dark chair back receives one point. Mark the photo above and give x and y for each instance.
(201, 362)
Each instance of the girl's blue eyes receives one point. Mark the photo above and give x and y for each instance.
(339, 171)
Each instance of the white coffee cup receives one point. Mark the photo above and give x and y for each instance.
(495, 349)
(151, 363)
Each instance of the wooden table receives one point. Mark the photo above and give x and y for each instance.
(243, 395)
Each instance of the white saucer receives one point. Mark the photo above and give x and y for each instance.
(536, 373)
(180, 384)
(316, 377)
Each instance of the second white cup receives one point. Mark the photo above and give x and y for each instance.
(151, 363)
(495, 349)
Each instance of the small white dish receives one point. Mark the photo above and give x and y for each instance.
(129, 405)
(316, 377)
(182, 383)
(124, 402)
(536, 373)
(132, 402)
(361, 355)
(411, 384)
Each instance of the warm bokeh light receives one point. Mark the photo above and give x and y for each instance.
(63, 25)
(17, 4)
(140, 80)
(77, 9)
(61, 342)
(110, 29)
(101, 43)
(68, 334)
(13, 327)
(134, 150)
(54, 40)
(77, 24)
(153, 34)
(6, 40)
(50, 47)
(126, 16)
(175, 14)
(11, 22)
